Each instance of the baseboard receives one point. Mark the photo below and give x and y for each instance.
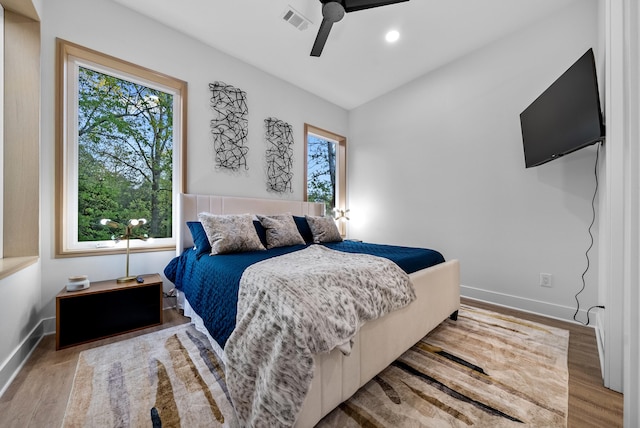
(600, 338)
(49, 325)
(550, 310)
(169, 302)
(14, 363)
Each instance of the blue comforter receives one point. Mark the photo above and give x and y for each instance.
(210, 283)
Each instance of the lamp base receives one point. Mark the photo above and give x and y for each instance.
(126, 279)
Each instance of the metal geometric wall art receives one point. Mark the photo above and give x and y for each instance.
(229, 126)
(279, 155)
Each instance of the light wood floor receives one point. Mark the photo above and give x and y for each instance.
(38, 396)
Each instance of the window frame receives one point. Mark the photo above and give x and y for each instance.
(341, 163)
(69, 57)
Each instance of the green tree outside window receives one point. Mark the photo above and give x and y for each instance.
(321, 171)
(125, 155)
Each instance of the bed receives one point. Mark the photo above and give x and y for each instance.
(336, 376)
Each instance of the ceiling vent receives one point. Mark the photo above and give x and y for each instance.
(295, 18)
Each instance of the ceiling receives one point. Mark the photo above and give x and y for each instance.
(357, 65)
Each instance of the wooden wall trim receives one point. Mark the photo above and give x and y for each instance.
(25, 8)
(21, 214)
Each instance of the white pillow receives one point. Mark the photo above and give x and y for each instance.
(281, 230)
(323, 229)
(230, 233)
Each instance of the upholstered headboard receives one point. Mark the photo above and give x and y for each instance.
(190, 205)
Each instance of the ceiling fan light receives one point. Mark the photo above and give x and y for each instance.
(333, 11)
(392, 36)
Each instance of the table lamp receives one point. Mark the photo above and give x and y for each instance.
(128, 234)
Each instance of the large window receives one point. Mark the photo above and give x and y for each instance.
(325, 175)
(120, 151)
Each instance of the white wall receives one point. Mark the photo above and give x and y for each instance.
(20, 320)
(115, 30)
(439, 163)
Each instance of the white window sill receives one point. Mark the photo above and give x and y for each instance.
(11, 265)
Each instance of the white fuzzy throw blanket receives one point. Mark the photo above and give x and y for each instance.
(295, 305)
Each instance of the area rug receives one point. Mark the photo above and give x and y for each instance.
(483, 370)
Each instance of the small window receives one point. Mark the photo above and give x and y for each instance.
(120, 151)
(325, 174)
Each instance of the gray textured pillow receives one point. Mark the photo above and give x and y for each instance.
(230, 233)
(324, 229)
(281, 230)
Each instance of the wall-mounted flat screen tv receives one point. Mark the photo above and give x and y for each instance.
(566, 117)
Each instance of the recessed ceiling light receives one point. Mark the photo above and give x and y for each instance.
(392, 36)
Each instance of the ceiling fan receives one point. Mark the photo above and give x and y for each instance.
(333, 11)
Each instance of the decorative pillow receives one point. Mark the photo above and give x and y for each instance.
(230, 233)
(324, 229)
(281, 230)
(303, 228)
(200, 238)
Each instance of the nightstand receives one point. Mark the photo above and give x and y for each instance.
(106, 309)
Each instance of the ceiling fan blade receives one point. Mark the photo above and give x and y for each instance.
(355, 5)
(321, 38)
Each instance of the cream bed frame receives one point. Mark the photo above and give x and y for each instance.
(379, 342)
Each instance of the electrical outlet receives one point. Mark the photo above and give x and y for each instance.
(545, 279)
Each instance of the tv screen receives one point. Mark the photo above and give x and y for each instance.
(566, 117)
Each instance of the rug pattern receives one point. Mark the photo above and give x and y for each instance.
(485, 369)
(169, 378)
